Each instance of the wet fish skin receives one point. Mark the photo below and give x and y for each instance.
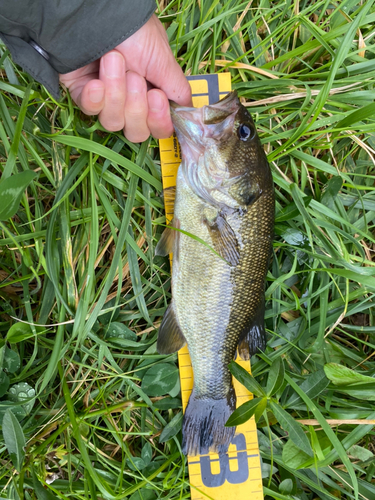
(225, 197)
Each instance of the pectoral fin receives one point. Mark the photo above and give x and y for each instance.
(224, 239)
(170, 337)
(254, 336)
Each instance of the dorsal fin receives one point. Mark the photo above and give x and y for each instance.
(254, 337)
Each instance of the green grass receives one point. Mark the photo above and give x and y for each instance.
(77, 258)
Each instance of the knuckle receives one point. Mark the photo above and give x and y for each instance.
(115, 97)
(136, 112)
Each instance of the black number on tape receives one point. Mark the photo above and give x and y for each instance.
(213, 86)
(225, 474)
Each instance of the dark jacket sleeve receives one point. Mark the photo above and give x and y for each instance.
(48, 37)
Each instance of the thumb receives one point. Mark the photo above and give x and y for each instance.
(147, 52)
(169, 77)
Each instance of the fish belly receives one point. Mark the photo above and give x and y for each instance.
(201, 290)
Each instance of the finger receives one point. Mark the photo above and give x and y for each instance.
(74, 78)
(159, 118)
(85, 88)
(91, 98)
(136, 108)
(112, 74)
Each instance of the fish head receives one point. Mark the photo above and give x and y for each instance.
(222, 140)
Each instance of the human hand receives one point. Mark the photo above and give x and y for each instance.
(115, 86)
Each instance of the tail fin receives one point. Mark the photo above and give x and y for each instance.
(204, 425)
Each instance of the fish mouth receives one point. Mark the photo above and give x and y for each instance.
(218, 112)
(212, 113)
(210, 121)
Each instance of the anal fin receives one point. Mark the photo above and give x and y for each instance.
(170, 337)
(254, 337)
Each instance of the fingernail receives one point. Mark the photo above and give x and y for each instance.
(96, 95)
(157, 103)
(114, 65)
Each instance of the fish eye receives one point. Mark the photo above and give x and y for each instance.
(246, 131)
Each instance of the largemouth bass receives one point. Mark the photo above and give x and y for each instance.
(221, 239)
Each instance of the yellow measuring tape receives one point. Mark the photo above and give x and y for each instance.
(237, 472)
